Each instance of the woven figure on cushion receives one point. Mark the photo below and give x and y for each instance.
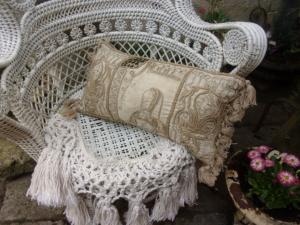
(50, 67)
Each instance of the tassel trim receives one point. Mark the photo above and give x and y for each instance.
(77, 211)
(106, 214)
(137, 214)
(168, 203)
(47, 183)
(51, 185)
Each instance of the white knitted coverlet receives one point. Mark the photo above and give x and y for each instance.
(68, 173)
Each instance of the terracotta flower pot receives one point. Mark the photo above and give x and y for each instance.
(247, 213)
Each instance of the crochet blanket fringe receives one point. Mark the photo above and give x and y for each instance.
(51, 186)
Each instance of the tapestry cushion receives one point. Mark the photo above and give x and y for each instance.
(190, 106)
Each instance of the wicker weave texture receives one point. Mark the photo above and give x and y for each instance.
(9, 34)
(59, 35)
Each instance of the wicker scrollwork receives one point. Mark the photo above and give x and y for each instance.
(235, 45)
(10, 35)
(58, 36)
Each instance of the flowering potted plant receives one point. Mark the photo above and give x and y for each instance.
(265, 186)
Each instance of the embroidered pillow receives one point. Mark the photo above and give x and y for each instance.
(103, 64)
(190, 106)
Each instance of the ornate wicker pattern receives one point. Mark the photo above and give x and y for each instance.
(49, 65)
(21, 5)
(57, 37)
(9, 34)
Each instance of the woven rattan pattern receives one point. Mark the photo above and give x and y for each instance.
(50, 63)
(57, 37)
(112, 140)
(10, 35)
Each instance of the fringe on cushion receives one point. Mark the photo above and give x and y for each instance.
(250, 98)
(137, 214)
(106, 214)
(235, 112)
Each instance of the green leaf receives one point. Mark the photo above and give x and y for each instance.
(249, 194)
(264, 194)
(252, 182)
(276, 204)
(295, 188)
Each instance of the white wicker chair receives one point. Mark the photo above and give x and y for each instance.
(10, 34)
(57, 37)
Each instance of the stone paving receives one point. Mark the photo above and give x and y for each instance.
(18, 208)
(213, 207)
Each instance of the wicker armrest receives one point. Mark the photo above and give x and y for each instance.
(16, 132)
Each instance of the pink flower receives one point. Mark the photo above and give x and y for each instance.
(291, 160)
(286, 178)
(253, 154)
(257, 164)
(269, 163)
(263, 149)
(283, 155)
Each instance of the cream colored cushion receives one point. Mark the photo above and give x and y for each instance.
(189, 106)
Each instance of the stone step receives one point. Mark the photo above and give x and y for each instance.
(17, 207)
(13, 160)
